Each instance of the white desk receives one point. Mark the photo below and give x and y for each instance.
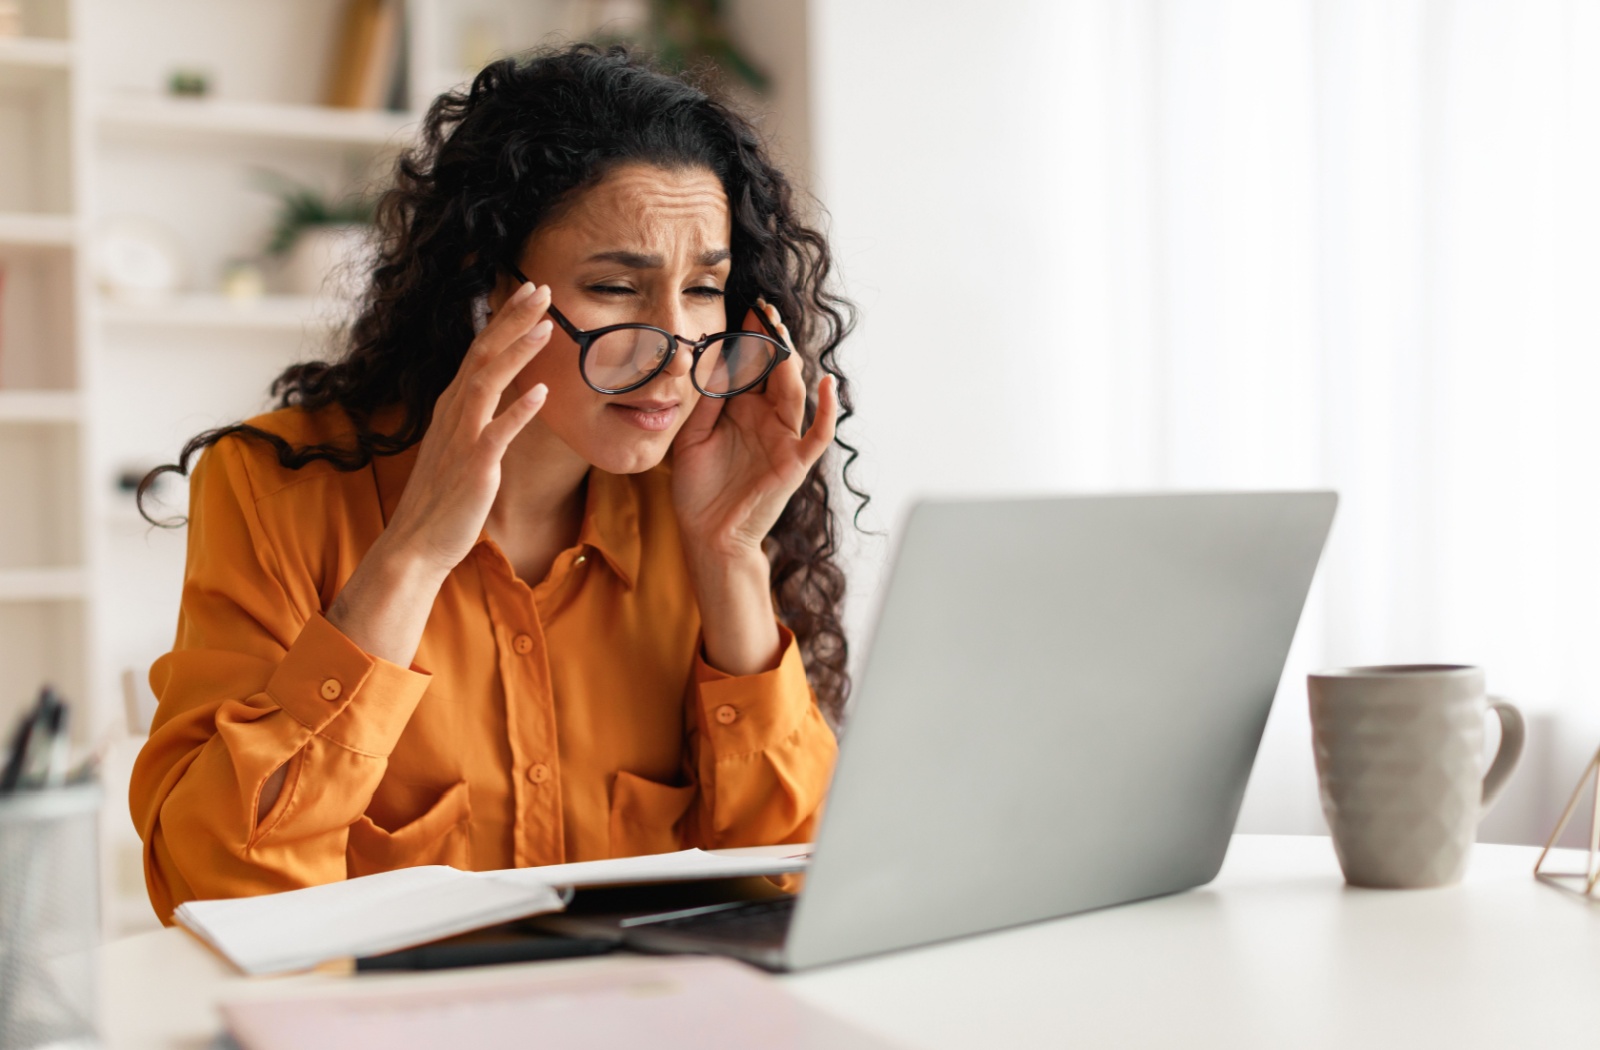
(1277, 952)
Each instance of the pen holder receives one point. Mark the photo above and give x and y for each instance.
(49, 917)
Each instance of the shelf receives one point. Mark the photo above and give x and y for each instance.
(39, 406)
(273, 313)
(31, 60)
(34, 585)
(20, 229)
(205, 119)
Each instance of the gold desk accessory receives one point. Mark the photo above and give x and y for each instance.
(1582, 883)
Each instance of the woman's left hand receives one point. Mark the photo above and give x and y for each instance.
(737, 460)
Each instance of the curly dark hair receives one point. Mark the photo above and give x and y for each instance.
(493, 163)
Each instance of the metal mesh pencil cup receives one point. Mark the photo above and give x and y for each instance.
(49, 917)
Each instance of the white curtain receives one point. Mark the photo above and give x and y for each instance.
(1111, 244)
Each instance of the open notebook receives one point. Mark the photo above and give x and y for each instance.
(299, 929)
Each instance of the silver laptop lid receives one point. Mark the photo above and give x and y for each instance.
(1059, 711)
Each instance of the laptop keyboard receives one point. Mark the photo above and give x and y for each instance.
(755, 923)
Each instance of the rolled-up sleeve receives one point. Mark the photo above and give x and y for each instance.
(762, 751)
(258, 680)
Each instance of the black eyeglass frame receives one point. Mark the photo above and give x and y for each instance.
(586, 339)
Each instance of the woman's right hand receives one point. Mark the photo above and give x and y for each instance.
(384, 606)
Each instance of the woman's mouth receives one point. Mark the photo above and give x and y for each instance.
(646, 415)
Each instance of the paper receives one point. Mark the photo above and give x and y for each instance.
(666, 867)
(299, 929)
(618, 1004)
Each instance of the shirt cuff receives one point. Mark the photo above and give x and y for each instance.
(741, 714)
(337, 690)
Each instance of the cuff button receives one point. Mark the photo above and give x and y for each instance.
(332, 690)
(727, 714)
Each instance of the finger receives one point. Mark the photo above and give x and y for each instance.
(776, 320)
(509, 423)
(499, 370)
(820, 436)
(484, 389)
(700, 423)
(786, 393)
(523, 309)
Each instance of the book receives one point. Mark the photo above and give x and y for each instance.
(366, 55)
(373, 914)
(385, 56)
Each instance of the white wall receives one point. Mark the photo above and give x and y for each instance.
(1278, 243)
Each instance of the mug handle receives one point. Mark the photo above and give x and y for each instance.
(1512, 736)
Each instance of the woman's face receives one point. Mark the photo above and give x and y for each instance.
(647, 245)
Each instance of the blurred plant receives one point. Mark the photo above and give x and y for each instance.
(188, 83)
(685, 34)
(301, 207)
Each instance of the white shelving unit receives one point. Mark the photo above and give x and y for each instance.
(46, 557)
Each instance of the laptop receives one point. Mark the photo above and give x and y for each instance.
(1059, 711)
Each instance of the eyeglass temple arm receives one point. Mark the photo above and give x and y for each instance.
(577, 334)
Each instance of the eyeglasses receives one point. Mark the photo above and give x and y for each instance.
(623, 357)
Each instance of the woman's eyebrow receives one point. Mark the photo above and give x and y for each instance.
(641, 261)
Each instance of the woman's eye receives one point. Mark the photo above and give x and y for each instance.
(705, 292)
(610, 289)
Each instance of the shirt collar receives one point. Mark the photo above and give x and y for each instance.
(610, 513)
(611, 523)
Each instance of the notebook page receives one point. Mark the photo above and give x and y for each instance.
(665, 867)
(298, 929)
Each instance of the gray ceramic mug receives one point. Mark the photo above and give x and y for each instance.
(1399, 762)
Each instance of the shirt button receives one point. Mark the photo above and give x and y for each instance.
(727, 714)
(332, 690)
(522, 644)
(538, 772)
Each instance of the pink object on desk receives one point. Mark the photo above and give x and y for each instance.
(663, 1004)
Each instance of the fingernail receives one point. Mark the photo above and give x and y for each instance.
(544, 291)
(523, 291)
(539, 390)
(541, 329)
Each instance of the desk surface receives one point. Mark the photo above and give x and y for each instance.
(1277, 952)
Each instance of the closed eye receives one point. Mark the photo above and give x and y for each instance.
(703, 291)
(611, 289)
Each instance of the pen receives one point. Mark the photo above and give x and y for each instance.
(22, 744)
(55, 770)
(37, 757)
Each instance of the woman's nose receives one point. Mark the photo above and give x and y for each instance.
(681, 361)
(674, 319)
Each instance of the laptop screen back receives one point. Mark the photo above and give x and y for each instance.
(1059, 711)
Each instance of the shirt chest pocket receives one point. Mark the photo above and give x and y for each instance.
(441, 835)
(647, 816)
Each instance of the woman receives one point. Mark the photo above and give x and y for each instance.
(507, 585)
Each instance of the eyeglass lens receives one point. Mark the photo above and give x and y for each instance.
(624, 358)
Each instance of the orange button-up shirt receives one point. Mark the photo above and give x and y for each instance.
(566, 720)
